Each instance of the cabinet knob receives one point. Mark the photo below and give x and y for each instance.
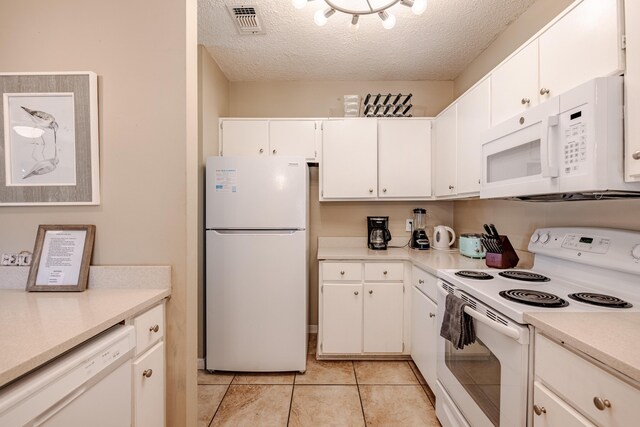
(355, 293)
(451, 187)
(544, 91)
(147, 373)
(274, 151)
(261, 151)
(371, 190)
(432, 315)
(342, 273)
(420, 281)
(539, 410)
(601, 404)
(636, 155)
(154, 328)
(370, 291)
(525, 101)
(385, 272)
(384, 190)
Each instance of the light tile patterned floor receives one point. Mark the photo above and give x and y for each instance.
(329, 393)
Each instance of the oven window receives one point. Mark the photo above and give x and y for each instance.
(478, 371)
(516, 162)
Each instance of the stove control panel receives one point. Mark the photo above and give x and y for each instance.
(579, 242)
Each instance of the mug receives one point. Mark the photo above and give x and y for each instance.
(443, 237)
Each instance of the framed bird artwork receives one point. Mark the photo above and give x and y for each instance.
(49, 153)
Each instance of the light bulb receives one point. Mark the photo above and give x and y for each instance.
(299, 4)
(354, 24)
(321, 16)
(419, 6)
(388, 20)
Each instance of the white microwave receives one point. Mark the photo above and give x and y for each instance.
(568, 148)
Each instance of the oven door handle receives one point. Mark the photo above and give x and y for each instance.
(504, 330)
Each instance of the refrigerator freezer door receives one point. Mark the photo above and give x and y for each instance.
(256, 299)
(256, 192)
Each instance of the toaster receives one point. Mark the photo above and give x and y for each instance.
(470, 245)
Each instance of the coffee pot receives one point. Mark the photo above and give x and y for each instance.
(378, 232)
(443, 237)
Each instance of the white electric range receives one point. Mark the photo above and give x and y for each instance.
(575, 270)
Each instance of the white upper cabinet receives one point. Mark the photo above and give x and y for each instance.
(404, 158)
(514, 84)
(474, 117)
(445, 140)
(244, 137)
(349, 166)
(293, 138)
(632, 91)
(584, 44)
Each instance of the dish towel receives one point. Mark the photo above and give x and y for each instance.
(457, 326)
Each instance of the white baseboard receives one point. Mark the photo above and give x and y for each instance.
(200, 364)
(312, 329)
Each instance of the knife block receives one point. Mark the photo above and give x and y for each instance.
(506, 259)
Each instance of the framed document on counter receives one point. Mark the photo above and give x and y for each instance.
(61, 258)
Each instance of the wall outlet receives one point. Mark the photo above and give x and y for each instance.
(409, 225)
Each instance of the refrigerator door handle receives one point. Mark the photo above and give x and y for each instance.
(259, 232)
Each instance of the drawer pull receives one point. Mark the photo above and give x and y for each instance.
(420, 281)
(601, 404)
(154, 328)
(544, 91)
(274, 151)
(636, 155)
(525, 101)
(385, 272)
(432, 315)
(539, 410)
(371, 190)
(147, 373)
(370, 291)
(355, 293)
(342, 273)
(261, 151)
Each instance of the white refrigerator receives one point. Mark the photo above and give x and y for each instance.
(256, 263)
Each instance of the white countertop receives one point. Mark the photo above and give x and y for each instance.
(36, 327)
(431, 260)
(611, 338)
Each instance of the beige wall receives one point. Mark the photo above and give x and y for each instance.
(324, 99)
(141, 57)
(521, 30)
(213, 100)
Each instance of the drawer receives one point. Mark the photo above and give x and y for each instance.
(332, 271)
(553, 411)
(148, 388)
(581, 383)
(149, 328)
(383, 271)
(426, 282)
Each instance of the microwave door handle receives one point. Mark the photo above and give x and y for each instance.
(548, 163)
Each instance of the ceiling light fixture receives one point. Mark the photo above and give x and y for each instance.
(379, 7)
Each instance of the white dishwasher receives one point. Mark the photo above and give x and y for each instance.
(88, 386)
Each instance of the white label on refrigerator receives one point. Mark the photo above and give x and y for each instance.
(226, 180)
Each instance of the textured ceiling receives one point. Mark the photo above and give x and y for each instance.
(437, 45)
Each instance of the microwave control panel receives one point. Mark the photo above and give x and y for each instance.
(575, 144)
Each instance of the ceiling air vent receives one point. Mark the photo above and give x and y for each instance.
(246, 18)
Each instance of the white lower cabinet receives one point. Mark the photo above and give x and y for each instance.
(362, 309)
(571, 390)
(149, 369)
(424, 334)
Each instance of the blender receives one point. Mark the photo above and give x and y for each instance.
(419, 238)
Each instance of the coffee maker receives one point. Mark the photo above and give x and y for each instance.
(378, 232)
(419, 238)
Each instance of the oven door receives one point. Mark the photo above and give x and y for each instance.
(518, 155)
(488, 380)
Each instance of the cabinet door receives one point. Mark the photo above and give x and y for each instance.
(383, 316)
(445, 152)
(244, 137)
(424, 334)
(293, 138)
(404, 158)
(514, 84)
(582, 45)
(349, 166)
(474, 117)
(632, 90)
(341, 318)
(148, 388)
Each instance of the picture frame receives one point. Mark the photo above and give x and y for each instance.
(49, 149)
(61, 258)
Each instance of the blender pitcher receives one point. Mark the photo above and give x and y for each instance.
(419, 238)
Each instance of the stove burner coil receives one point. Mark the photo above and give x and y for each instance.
(526, 276)
(534, 298)
(600, 300)
(476, 275)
